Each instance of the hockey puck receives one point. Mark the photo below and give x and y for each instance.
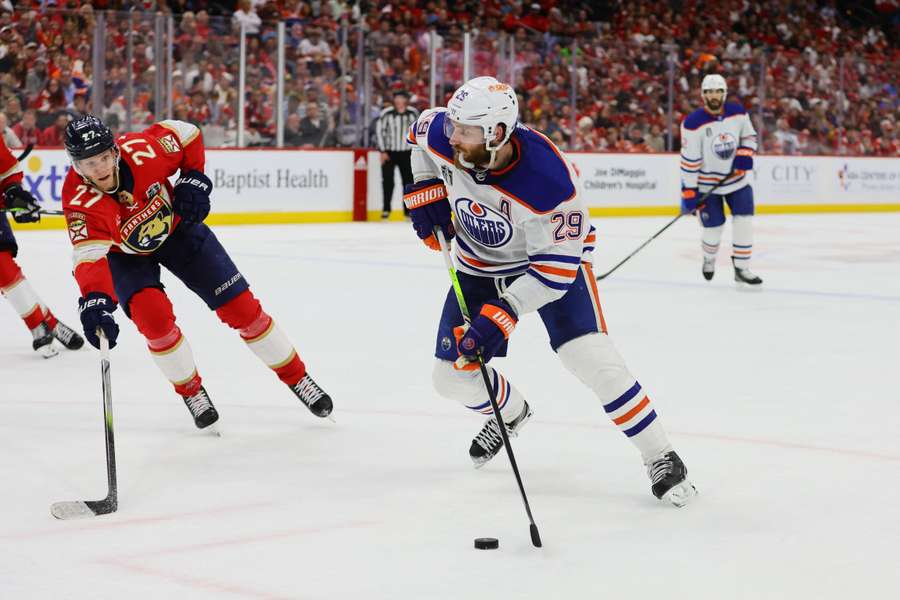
(487, 543)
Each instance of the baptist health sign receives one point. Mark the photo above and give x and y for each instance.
(253, 186)
(265, 181)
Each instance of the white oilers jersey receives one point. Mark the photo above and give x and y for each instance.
(709, 144)
(527, 219)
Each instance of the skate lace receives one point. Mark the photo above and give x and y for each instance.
(63, 333)
(198, 403)
(308, 391)
(489, 437)
(660, 468)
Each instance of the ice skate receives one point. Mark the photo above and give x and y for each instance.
(202, 409)
(43, 341)
(67, 336)
(313, 397)
(709, 268)
(668, 476)
(488, 442)
(745, 276)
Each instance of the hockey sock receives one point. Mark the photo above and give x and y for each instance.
(49, 318)
(595, 361)
(710, 240)
(152, 314)
(19, 292)
(263, 336)
(467, 388)
(742, 240)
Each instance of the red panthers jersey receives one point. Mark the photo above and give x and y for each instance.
(138, 217)
(10, 172)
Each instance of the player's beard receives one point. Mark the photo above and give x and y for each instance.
(714, 104)
(478, 157)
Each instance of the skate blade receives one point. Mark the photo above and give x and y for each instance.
(47, 351)
(330, 418)
(680, 494)
(212, 430)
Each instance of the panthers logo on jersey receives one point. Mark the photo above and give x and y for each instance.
(724, 145)
(145, 231)
(484, 225)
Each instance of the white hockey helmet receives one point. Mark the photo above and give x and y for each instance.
(483, 103)
(714, 82)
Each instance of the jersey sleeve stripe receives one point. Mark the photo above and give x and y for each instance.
(547, 282)
(563, 258)
(568, 273)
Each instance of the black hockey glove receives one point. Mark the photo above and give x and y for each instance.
(22, 205)
(192, 192)
(96, 313)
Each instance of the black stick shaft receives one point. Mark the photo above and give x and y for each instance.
(700, 204)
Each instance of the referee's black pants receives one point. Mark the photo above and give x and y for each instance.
(395, 159)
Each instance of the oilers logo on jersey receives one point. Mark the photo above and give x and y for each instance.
(484, 225)
(724, 145)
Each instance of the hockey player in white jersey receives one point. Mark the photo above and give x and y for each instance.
(523, 244)
(717, 143)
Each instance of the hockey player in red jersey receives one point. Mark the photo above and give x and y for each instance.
(126, 220)
(13, 284)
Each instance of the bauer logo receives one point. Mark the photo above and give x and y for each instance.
(485, 225)
(724, 145)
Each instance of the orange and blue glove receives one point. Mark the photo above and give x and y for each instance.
(689, 199)
(485, 335)
(429, 207)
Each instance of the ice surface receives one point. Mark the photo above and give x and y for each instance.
(784, 405)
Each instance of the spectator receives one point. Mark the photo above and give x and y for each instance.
(9, 136)
(246, 15)
(314, 128)
(292, 134)
(53, 135)
(26, 130)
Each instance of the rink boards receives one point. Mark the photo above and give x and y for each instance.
(291, 186)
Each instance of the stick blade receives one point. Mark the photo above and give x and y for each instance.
(535, 536)
(80, 509)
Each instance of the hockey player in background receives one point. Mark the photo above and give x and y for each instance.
(523, 244)
(717, 143)
(125, 221)
(15, 287)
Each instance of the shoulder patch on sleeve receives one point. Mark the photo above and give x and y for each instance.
(184, 132)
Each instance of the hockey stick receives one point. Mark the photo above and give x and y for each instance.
(25, 153)
(445, 250)
(700, 204)
(51, 212)
(76, 509)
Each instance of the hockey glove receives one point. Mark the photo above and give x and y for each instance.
(689, 198)
(22, 205)
(485, 335)
(96, 313)
(192, 192)
(428, 208)
(743, 161)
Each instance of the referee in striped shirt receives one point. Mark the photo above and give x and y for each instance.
(390, 137)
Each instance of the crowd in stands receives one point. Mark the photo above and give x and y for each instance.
(818, 76)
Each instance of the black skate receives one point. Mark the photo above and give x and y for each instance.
(745, 276)
(488, 442)
(67, 336)
(43, 341)
(669, 480)
(313, 397)
(709, 268)
(202, 409)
